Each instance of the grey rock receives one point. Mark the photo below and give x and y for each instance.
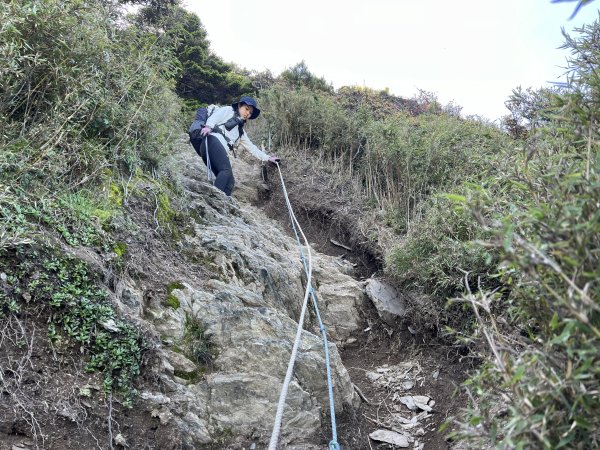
(179, 362)
(390, 437)
(388, 301)
(159, 399)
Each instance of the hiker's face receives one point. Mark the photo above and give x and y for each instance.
(245, 111)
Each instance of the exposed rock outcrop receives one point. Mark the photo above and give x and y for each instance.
(246, 316)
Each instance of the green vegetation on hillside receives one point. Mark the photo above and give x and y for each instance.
(203, 77)
(539, 388)
(86, 107)
(403, 157)
(64, 291)
(497, 227)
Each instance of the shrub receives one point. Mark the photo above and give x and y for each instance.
(539, 388)
(80, 94)
(65, 291)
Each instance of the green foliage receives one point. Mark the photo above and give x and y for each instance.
(410, 158)
(543, 338)
(172, 301)
(203, 77)
(399, 159)
(165, 213)
(529, 109)
(86, 106)
(174, 285)
(197, 346)
(299, 76)
(73, 216)
(517, 231)
(79, 313)
(379, 104)
(165, 199)
(301, 117)
(15, 229)
(120, 249)
(434, 255)
(80, 94)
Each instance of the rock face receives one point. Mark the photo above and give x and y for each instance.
(244, 319)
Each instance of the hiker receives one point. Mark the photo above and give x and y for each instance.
(222, 130)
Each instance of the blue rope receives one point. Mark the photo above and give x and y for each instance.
(333, 445)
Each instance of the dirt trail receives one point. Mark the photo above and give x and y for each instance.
(383, 351)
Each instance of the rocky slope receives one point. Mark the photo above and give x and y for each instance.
(217, 300)
(218, 308)
(248, 310)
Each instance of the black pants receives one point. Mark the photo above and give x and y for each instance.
(219, 162)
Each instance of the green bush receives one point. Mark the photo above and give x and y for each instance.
(399, 159)
(79, 313)
(539, 388)
(78, 218)
(197, 346)
(80, 94)
(305, 118)
(434, 256)
(86, 107)
(410, 158)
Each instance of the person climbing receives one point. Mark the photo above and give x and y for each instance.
(224, 130)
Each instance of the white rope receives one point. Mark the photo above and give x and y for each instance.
(209, 172)
(290, 369)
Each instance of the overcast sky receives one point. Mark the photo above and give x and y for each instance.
(472, 52)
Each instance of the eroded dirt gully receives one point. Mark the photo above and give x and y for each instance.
(385, 362)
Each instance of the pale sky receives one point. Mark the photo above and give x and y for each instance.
(472, 52)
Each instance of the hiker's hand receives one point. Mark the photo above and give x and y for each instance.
(205, 131)
(274, 159)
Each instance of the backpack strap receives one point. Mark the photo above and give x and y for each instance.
(230, 144)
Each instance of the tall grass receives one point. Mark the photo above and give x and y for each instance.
(81, 94)
(396, 158)
(85, 101)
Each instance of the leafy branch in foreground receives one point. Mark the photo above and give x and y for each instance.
(539, 388)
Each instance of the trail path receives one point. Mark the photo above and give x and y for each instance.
(406, 381)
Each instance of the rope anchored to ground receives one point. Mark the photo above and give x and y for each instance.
(307, 262)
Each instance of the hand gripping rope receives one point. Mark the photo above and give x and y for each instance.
(333, 445)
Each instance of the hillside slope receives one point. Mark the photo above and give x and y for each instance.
(216, 308)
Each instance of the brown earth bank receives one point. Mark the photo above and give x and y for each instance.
(47, 399)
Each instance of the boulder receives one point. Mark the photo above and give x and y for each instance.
(386, 298)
